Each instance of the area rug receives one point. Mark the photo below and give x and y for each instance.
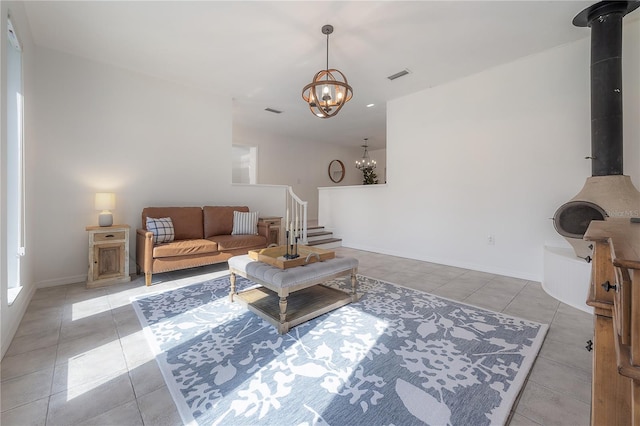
(398, 356)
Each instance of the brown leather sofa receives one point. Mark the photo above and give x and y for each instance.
(202, 237)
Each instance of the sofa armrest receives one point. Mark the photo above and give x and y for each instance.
(144, 250)
(263, 229)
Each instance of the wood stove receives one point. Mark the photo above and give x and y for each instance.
(608, 192)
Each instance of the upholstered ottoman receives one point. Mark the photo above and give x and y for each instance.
(288, 297)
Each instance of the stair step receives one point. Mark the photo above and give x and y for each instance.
(326, 243)
(315, 232)
(315, 236)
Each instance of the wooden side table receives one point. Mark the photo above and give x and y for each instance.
(108, 255)
(275, 229)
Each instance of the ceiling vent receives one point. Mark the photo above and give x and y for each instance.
(275, 111)
(398, 74)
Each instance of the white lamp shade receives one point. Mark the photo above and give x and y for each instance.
(105, 201)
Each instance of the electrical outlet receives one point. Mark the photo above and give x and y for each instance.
(491, 240)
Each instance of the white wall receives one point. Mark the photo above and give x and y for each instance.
(10, 315)
(493, 154)
(303, 165)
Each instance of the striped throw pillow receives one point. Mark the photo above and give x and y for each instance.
(162, 229)
(245, 223)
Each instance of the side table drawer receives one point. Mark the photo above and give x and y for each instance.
(108, 236)
(622, 305)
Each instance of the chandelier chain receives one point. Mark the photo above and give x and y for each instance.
(327, 55)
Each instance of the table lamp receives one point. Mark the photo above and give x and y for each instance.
(105, 201)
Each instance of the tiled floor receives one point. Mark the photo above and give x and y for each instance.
(80, 357)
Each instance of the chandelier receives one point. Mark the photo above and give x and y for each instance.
(329, 90)
(365, 163)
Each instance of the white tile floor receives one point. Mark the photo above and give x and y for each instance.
(80, 358)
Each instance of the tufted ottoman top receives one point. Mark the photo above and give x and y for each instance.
(284, 278)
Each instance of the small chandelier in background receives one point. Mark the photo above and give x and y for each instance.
(365, 162)
(329, 90)
(367, 165)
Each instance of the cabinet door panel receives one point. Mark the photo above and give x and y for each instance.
(108, 261)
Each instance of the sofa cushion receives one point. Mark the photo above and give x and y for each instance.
(218, 220)
(187, 221)
(245, 223)
(162, 229)
(235, 242)
(185, 247)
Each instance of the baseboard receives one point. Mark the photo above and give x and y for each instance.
(62, 281)
(74, 279)
(448, 262)
(15, 319)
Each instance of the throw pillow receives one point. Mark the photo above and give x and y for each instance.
(162, 229)
(245, 223)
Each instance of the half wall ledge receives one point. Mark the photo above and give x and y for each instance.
(566, 277)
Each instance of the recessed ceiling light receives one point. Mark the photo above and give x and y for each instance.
(275, 111)
(370, 105)
(398, 74)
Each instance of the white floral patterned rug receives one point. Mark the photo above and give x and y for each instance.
(398, 356)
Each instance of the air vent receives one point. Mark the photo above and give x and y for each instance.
(275, 111)
(398, 74)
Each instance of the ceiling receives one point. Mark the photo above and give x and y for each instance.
(262, 53)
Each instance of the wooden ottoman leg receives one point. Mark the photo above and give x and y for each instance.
(354, 285)
(283, 327)
(147, 279)
(232, 279)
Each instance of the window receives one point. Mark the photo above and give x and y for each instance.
(244, 164)
(15, 231)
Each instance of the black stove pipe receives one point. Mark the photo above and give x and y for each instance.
(605, 20)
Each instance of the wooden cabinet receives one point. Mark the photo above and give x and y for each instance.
(108, 255)
(275, 230)
(615, 393)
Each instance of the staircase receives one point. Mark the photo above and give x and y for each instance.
(317, 236)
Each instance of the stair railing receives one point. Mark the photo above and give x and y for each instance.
(296, 215)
